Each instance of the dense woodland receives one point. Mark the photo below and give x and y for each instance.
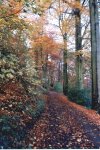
(49, 74)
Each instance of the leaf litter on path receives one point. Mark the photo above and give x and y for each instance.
(64, 125)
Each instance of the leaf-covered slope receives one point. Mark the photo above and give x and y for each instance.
(17, 113)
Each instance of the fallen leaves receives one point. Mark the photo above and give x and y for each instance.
(62, 125)
(14, 114)
(59, 127)
(90, 114)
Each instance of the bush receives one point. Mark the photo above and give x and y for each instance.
(35, 112)
(81, 97)
(8, 66)
(14, 127)
(18, 113)
(58, 87)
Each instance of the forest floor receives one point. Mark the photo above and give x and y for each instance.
(64, 125)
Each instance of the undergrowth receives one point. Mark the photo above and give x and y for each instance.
(58, 87)
(18, 113)
(81, 97)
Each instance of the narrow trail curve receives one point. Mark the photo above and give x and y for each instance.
(62, 126)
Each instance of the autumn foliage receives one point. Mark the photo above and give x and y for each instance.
(38, 54)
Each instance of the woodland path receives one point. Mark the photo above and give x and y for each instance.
(64, 125)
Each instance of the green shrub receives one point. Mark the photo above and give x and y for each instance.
(5, 123)
(58, 87)
(82, 97)
(35, 112)
(8, 66)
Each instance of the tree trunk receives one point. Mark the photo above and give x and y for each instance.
(65, 74)
(79, 61)
(59, 71)
(98, 53)
(95, 51)
(45, 72)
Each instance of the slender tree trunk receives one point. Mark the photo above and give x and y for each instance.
(95, 62)
(45, 71)
(59, 71)
(36, 59)
(98, 50)
(79, 61)
(65, 74)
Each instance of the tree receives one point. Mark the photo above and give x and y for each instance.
(68, 12)
(64, 27)
(16, 62)
(94, 52)
(78, 39)
(43, 50)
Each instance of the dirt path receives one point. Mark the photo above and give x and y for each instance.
(63, 125)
